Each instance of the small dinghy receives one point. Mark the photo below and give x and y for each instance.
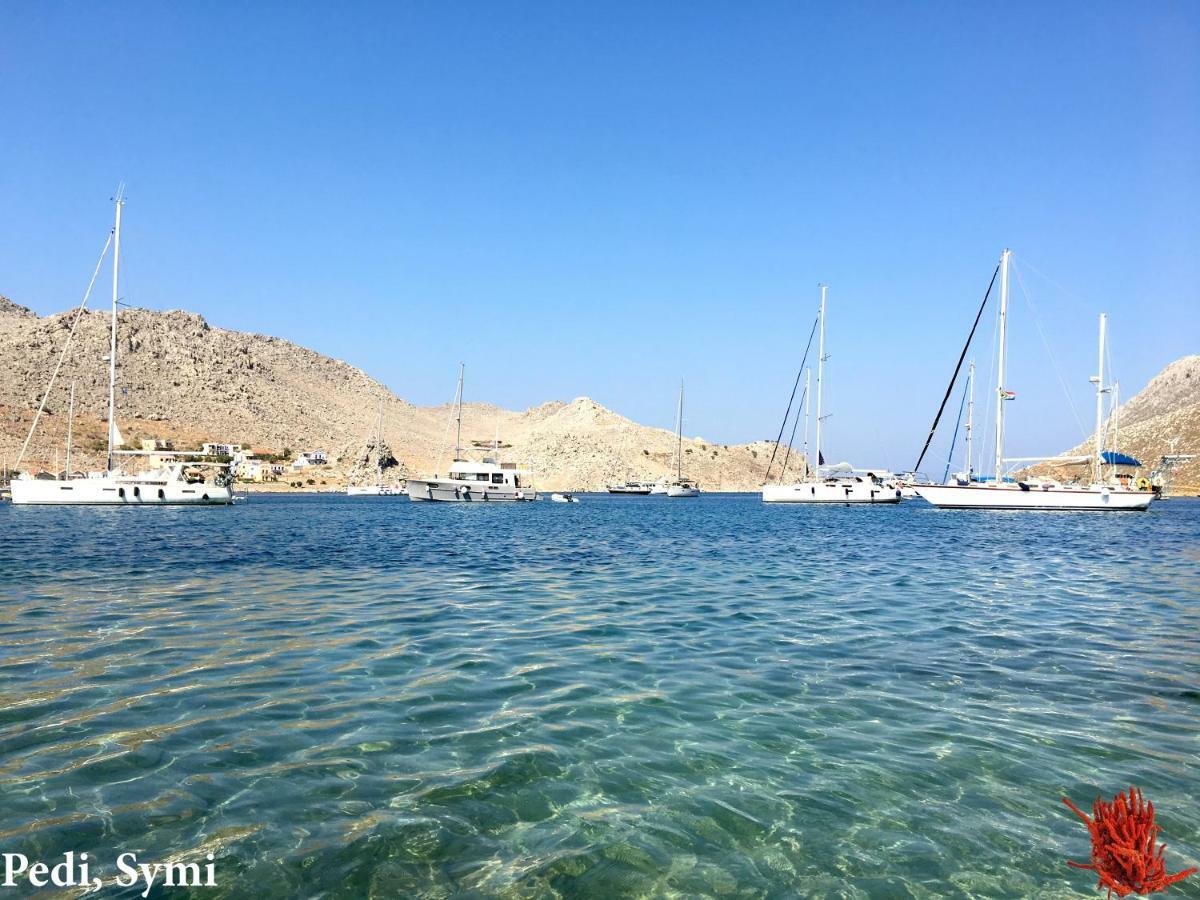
(564, 498)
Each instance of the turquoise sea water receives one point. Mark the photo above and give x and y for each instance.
(621, 697)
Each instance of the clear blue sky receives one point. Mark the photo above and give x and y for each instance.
(600, 198)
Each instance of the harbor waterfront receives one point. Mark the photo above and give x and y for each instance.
(358, 697)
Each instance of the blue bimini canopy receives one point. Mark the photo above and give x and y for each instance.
(1112, 458)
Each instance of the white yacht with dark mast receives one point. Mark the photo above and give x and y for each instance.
(467, 481)
(173, 482)
(1038, 493)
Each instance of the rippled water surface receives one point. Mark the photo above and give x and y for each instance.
(622, 697)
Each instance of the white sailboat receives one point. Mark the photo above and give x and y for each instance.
(1039, 494)
(376, 488)
(831, 484)
(467, 481)
(680, 487)
(172, 483)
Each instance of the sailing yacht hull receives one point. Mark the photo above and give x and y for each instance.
(1036, 497)
(124, 491)
(677, 490)
(830, 492)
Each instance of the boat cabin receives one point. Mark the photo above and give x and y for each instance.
(489, 471)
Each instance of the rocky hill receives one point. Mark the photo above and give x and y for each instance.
(1162, 419)
(184, 380)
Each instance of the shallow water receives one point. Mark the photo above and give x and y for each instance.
(626, 696)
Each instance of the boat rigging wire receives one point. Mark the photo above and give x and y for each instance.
(957, 369)
(63, 355)
(449, 419)
(788, 412)
(1033, 313)
(792, 438)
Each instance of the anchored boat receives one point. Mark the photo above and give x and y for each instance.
(680, 487)
(1038, 493)
(174, 481)
(488, 480)
(829, 484)
(638, 488)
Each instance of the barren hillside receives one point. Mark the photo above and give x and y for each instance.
(184, 380)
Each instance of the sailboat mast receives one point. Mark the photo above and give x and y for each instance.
(820, 377)
(970, 418)
(807, 403)
(70, 426)
(458, 437)
(1100, 391)
(112, 343)
(1000, 364)
(679, 437)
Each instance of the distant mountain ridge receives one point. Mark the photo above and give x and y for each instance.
(183, 379)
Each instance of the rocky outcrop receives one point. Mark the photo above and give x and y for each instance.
(8, 309)
(376, 458)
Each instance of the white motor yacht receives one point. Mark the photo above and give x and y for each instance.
(637, 488)
(467, 481)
